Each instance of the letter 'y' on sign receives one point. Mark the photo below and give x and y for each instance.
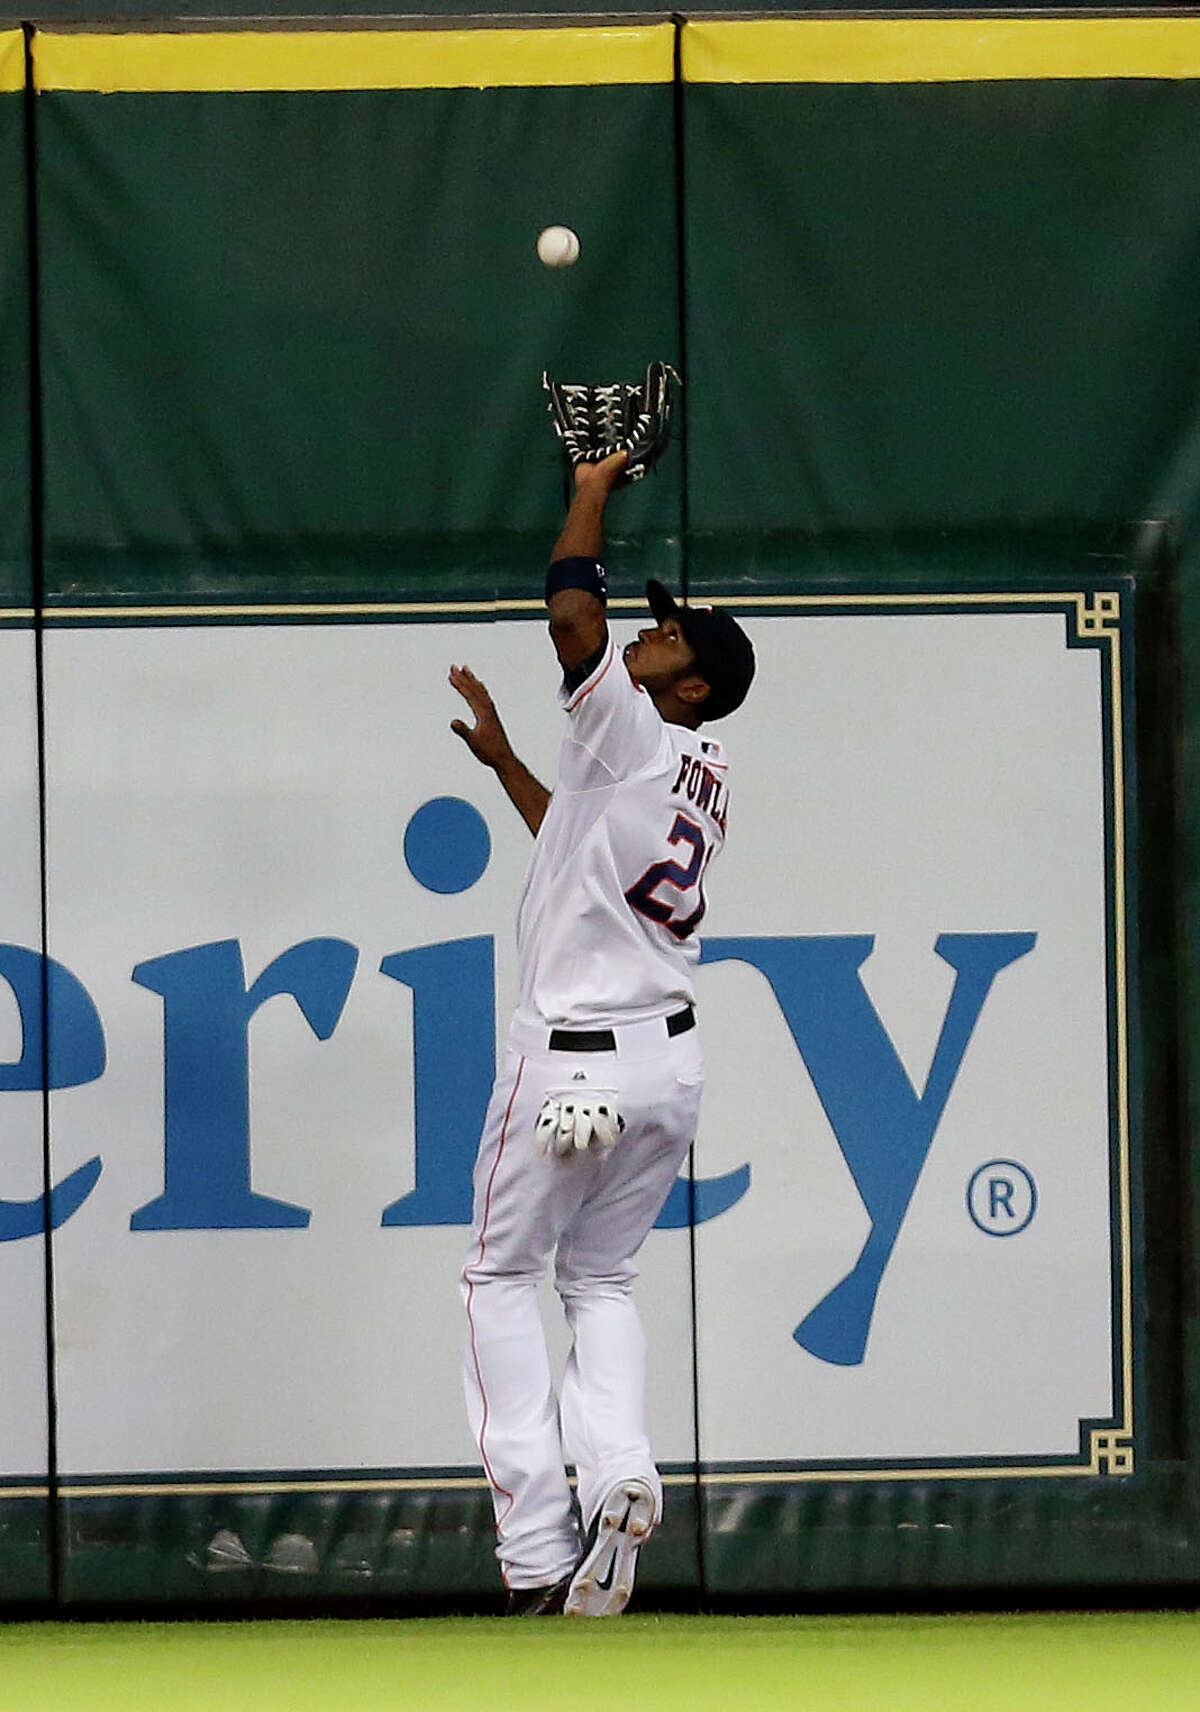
(883, 1127)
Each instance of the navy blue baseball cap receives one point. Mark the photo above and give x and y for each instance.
(724, 653)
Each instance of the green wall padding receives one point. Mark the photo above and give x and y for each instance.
(316, 322)
(961, 303)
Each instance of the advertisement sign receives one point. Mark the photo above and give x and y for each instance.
(281, 897)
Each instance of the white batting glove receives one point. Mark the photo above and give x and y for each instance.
(578, 1120)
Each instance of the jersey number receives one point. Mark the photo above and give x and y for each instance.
(677, 876)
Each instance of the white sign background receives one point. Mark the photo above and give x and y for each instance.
(930, 775)
(897, 775)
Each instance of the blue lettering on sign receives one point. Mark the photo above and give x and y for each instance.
(991, 1192)
(70, 1053)
(447, 845)
(454, 1047)
(695, 1200)
(883, 1127)
(206, 1015)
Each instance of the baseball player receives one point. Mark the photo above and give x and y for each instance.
(596, 1102)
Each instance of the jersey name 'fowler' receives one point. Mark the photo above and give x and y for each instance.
(701, 786)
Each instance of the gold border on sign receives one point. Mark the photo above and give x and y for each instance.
(1112, 1452)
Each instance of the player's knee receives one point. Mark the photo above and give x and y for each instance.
(576, 1287)
(480, 1273)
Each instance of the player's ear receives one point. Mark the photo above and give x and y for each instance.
(693, 690)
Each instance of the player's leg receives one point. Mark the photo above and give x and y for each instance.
(521, 1204)
(603, 1395)
(603, 1387)
(620, 1492)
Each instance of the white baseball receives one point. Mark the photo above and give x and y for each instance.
(558, 246)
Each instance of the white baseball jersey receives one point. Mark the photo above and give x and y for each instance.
(606, 930)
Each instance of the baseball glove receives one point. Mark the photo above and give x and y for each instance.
(593, 422)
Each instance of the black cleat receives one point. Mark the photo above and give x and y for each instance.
(538, 1601)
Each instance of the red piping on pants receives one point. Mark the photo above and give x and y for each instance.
(487, 1207)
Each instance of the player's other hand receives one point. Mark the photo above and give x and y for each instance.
(486, 739)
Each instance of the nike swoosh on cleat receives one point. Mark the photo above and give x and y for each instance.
(605, 1581)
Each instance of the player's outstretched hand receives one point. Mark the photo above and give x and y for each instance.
(486, 739)
(603, 476)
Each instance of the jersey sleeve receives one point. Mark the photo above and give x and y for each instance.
(615, 729)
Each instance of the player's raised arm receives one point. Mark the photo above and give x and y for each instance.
(575, 590)
(488, 742)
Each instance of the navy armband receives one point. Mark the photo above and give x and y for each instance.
(580, 573)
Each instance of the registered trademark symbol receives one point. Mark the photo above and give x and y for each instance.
(1002, 1197)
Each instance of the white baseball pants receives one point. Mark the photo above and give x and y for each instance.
(594, 1212)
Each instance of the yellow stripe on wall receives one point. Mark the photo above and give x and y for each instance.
(352, 59)
(939, 50)
(12, 61)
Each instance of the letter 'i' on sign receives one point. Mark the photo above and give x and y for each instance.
(447, 847)
(206, 1016)
(454, 1047)
(70, 1053)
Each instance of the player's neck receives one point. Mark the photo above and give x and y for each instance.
(676, 712)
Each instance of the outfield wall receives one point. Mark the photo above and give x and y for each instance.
(923, 1312)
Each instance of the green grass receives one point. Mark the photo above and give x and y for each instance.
(1129, 1662)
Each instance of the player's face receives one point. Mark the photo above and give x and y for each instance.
(659, 657)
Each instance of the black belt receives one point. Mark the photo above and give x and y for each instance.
(604, 1040)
